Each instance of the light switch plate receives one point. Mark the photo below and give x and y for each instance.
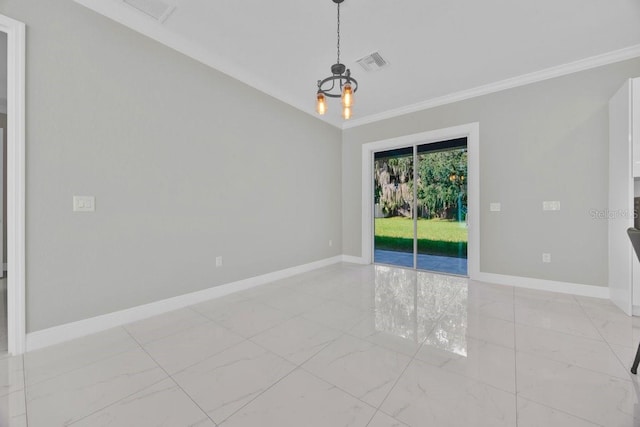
(494, 207)
(551, 205)
(84, 203)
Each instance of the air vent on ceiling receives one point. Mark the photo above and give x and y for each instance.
(373, 62)
(155, 9)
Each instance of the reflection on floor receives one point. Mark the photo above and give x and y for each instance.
(442, 264)
(345, 345)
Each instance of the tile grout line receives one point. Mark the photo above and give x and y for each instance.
(24, 390)
(206, 320)
(172, 379)
(253, 336)
(215, 323)
(545, 358)
(101, 359)
(209, 321)
(291, 316)
(413, 358)
(376, 409)
(127, 396)
(576, 366)
(300, 367)
(626, 369)
(114, 403)
(554, 360)
(342, 390)
(601, 340)
(297, 367)
(327, 344)
(255, 343)
(205, 359)
(259, 394)
(561, 410)
(564, 332)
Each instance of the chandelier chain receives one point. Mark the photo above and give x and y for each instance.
(338, 34)
(339, 84)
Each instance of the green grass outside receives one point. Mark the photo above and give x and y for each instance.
(435, 236)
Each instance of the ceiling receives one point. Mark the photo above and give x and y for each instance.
(434, 48)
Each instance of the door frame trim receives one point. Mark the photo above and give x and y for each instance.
(472, 132)
(16, 269)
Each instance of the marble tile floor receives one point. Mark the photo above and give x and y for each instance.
(345, 345)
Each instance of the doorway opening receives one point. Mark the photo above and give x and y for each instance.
(420, 206)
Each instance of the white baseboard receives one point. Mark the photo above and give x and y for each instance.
(353, 259)
(69, 331)
(544, 285)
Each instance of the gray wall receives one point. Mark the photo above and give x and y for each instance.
(544, 141)
(3, 126)
(3, 72)
(185, 164)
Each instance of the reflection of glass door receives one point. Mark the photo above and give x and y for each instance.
(420, 212)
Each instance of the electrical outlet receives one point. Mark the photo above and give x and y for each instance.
(546, 257)
(330, 242)
(218, 261)
(494, 207)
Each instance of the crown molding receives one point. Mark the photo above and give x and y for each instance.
(119, 12)
(131, 18)
(522, 80)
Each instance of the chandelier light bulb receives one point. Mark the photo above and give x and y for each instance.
(347, 95)
(346, 113)
(321, 103)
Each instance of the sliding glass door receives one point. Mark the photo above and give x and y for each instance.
(420, 212)
(394, 207)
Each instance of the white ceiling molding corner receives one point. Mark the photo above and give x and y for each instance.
(441, 52)
(118, 12)
(525, 79)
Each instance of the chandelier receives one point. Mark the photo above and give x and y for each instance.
(339, 84)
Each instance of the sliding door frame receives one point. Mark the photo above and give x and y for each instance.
(470, 131)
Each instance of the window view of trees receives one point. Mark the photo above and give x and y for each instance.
(440, 189)
(394, 186)
(441, 185)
